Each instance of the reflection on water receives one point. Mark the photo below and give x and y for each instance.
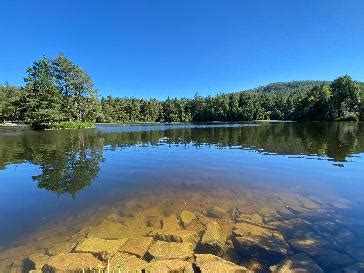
(253, 181)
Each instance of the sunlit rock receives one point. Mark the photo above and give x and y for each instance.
(213, 240)
(100, 246)
(261, 242)
(114, 230)
(73, 262)
(294, 228)
(137, 246)
(253, 218)
(170, 223)
(300, 263)
(208, 263)
(217, 212)
(187, 217)
(62, 247)
(178, 236)
(122, 262)
(169, 266)
(38, 260)
(312, 245)
(171, 250)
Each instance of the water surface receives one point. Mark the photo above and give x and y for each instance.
(54, 183)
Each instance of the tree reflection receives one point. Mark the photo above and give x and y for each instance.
(69, 160)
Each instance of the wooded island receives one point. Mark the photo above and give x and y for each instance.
(59, 94)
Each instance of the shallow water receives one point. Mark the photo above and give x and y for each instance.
(302, 180)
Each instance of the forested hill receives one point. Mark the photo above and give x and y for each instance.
(58, 92)
(294, 87)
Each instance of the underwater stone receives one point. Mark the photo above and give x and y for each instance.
(100, 246)
(187, 217)
(267, 244)
(171, 223)
(178, 236)
(73, 262)
(213, 240)
(169, 266)
(217, 212)
(298, 263)
(208, 263)
(38, 259)
(122, 262)
(137, 246)
(171, 250)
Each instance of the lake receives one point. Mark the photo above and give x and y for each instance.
(266, 190)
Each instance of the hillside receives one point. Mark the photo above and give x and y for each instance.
(290, 87)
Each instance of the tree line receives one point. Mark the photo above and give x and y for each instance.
(57, 90)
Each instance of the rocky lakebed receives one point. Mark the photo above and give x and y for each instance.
(199, 230)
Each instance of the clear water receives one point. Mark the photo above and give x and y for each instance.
(54, 183)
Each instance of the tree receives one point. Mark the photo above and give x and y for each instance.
(80, 97)
(345, 98)
(42, 100)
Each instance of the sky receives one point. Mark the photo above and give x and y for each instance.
(155, 48)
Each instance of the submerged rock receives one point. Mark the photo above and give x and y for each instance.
(298, 263)
(171, 250)
(208, 263)
(261, 242)
(253, 218)
(178, 236)
(38, 260)
(213, 240)
(100, 246)
(114, 230)
(187, 217)
(137, 246)
(170, 223)
(58, 248)
(73, 262)
(217, 212)
(122, 262)
(169, 266)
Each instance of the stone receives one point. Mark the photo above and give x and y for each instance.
(114, 230)
(122, 262)
(178, 236)
(253, 218)
(171, 250)
(170, 223)
(265, 243)
(208, 263)
(312, 245)
(100, 246)
(62, 247)
(217, 212)
(187, 217)
(213, 240)
(331, 260)
(298, 263)
(38, 260)
(73, 262)
(169, 266)
(137, 246)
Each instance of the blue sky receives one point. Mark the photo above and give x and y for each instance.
(154, 48)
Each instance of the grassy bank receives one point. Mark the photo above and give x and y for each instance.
(65, 125)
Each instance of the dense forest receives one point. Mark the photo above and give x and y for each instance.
(58, 91)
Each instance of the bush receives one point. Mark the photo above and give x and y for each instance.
(66, 125)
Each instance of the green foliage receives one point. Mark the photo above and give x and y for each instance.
(10, 108)
(72, 125)
(59, 91)
(55, 91)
